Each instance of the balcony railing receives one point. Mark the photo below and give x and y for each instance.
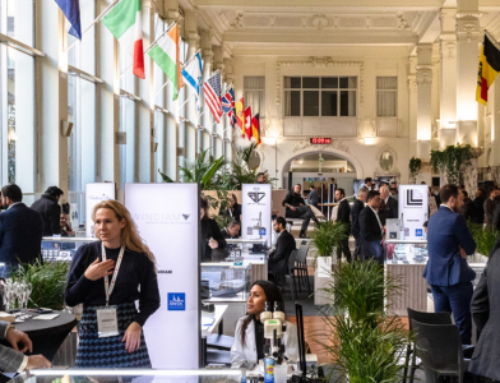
(335, 127)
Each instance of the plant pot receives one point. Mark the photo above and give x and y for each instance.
(323, 278)
(324, 266)
(477, 258)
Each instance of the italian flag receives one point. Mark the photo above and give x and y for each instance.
(124, 22)
(166, 54)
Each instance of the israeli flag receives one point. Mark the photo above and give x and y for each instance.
(71, 9)
(192, 73)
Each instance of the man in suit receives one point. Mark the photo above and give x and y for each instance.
(12, 359)
(467, 209)
(489, 207)
(278, 258)
(297, 208)
(313, 196)
(232, 230)
(388, 206)
(344, 216)
(20, 230)
(357, 207)
(48, 207)
(371, 229)
(394, 190)
(447, 271)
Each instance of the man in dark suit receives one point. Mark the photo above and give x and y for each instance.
(467, 209)
(344, 216)
(447, 271)
(357, 207)
(232, 230)
(388, 206)
(12, 359)
(313, 196)
(278, 258)
(297, 208)
(479, 206)
(48, 207)
(20, 229)
(485, 312)
(371, 229)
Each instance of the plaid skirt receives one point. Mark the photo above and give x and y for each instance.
(95, 352)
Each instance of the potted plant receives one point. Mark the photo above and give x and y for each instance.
(450, 160)
(365, 342)
(325, 238)
(485, 239)
(415, 165)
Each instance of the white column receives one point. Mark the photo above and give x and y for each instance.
(448, 86)
(228, 135)
(52, 98)
(412, 106)
(424, 105)
(207, 52)
(467, 31)
(218, 128)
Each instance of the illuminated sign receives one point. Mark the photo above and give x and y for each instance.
(320, 140)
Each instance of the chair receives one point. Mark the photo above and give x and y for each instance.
(422, 317)
(301, 266)
(440, 348)
(291, 274)
(220, 342)
(211, 356)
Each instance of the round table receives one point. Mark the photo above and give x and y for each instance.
(48, 335)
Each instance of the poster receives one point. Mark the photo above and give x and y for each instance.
(256, 203)
(95, 193)
(413, 210)
(171, 231)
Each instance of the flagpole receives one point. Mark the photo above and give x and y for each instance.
(159, 37)
(125, 71)
(191, 58)
(185, 102)
(162, 87)
(103, 13)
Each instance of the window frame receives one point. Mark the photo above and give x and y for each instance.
(383, 90)
(261, 91)
(320, 90)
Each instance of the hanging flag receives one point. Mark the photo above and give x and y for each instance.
(256, 128)
(192, 73)
(124, 22)
(212, 93)
(71, 10)
(240, 115)
(489, 66)
(228, 105)
(248, 122)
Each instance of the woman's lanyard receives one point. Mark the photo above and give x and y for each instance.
(107, 288)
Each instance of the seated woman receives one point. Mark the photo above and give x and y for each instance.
(213, 244)
(248, 347)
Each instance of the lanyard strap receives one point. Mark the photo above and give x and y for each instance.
(107, 288)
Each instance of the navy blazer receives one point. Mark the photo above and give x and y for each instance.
(446, 231)
(356, 209)
(20, 234)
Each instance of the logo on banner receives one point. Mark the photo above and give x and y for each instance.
(256, 196)
(176, 301)
(419, 233)
(414, 198)
(162, 218)
(186, 217)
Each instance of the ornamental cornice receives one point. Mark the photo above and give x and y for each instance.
(423, 67)
(319, 62)
(462, 15)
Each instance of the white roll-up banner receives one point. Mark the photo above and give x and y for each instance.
(256, 205)
(167, 217)
(413, 210)
(95, 193)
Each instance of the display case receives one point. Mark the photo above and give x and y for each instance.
(130, 375)
(62, 248)
(407, 260)
(225, 281)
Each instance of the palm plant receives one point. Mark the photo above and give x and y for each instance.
(48, 279)
(327, 236)
(363, 342)
(485, 238)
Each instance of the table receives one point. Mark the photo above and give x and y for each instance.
(217, 315)
(47, 336)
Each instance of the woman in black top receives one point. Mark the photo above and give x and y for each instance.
(211, 236)
(234, 208)
(128, 266)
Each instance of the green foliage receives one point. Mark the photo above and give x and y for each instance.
(48, 280)
(485, 238)
(365, 344)
(219, 204)
(451, 159)
(415, 165)
(327, 236)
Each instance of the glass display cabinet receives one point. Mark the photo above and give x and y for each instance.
(62, 248)
(225, 282)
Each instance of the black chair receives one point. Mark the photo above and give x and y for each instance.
(214, 357)
(291, 275)
(301, 266)
(422, 317)
(440, 348)
(220, 342)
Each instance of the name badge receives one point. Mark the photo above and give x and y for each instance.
(107, 322)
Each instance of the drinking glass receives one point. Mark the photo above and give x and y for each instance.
(15, 294)
(27, 293)
(6, 293)
(20, 296)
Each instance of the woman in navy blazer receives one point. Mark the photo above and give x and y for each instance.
(447, 271)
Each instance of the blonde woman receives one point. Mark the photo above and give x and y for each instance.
(108, 276)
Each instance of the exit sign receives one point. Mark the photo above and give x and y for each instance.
(319, 140)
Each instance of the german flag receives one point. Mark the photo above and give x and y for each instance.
(489, 66)
(256, 128)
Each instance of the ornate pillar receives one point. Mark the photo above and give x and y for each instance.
(448, 86)
(208, 54)
(467, 32)
(424, 97)
(412, 101)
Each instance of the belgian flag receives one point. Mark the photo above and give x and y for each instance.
(489, 66)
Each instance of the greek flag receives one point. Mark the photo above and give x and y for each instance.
(71, 10)
(192, 73)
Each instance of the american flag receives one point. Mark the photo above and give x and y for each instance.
(212, 92)
(228, 105)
